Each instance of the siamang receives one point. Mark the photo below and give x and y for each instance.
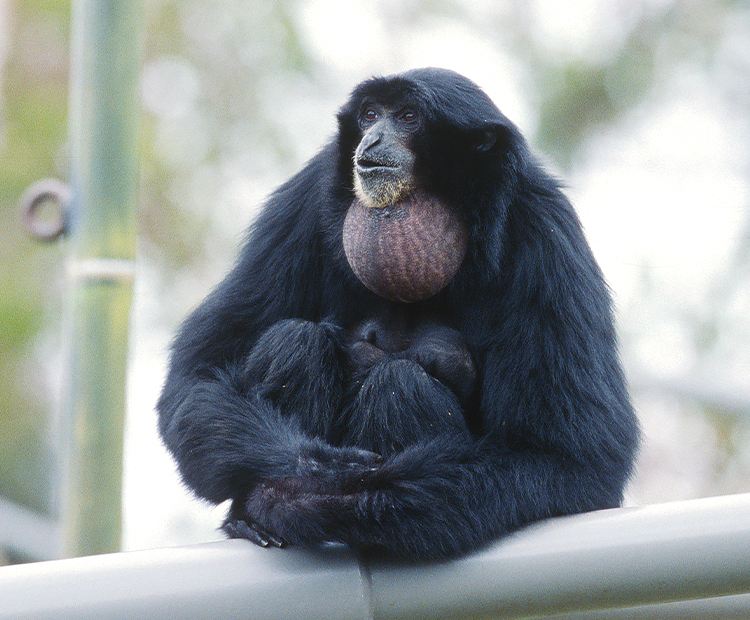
(415, 350)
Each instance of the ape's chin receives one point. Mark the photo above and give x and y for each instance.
(381, 186)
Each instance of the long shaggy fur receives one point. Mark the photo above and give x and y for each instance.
(261, 407)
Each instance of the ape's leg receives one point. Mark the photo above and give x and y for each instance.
(418, 425)
(398, 404)
(239, 525)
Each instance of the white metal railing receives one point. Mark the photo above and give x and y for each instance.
(679, 560)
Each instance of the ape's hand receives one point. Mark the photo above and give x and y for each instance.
(322, 468)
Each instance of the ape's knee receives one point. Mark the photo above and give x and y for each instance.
(399, 404)
(290, 346)
(402, 374)
(295, 365)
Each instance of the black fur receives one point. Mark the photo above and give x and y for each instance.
(272, 402)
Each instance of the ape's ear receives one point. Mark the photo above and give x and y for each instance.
(487, 137)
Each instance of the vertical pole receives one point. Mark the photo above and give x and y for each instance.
(105, 53)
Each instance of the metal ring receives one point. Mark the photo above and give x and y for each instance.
(41, 192)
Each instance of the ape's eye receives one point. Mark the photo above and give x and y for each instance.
(369, 114)
(409, 116)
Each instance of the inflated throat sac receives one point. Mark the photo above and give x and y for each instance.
(407, 251)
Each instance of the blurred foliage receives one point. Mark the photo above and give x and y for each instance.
(580, 95)
(230, 51)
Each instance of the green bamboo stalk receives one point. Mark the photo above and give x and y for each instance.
(104, 106)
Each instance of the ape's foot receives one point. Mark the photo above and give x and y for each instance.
(240, 528)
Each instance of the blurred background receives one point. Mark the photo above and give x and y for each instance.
(641, 106)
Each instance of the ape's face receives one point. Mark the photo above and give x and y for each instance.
(383, 159)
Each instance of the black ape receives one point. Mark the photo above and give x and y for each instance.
(421, 422)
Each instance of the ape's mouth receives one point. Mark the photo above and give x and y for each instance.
(365, 164)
